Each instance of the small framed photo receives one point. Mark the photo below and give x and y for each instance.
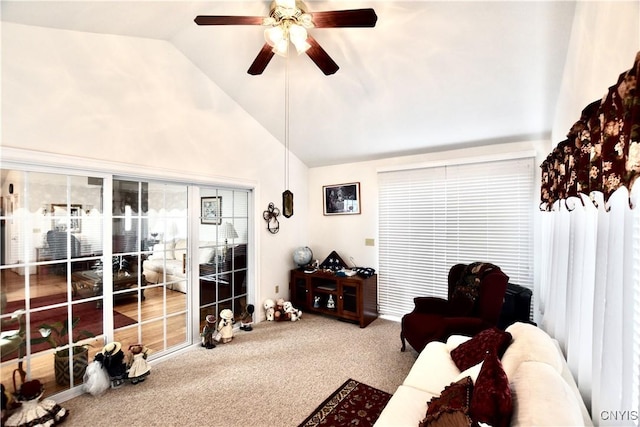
(211, 210)
(341, 199)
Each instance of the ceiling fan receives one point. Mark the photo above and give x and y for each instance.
(288, 21)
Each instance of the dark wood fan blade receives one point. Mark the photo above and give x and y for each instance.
(345, 18)
(262, 60)
(228, 20)
(321, 57)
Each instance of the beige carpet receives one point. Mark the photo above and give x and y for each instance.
(275, 375)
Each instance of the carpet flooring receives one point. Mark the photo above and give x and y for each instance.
(353, 403)
(275, 375)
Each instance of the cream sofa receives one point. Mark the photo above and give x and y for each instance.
(542, 389)
(168, 264)
(170, 258)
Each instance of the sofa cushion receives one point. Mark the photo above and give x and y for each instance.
(206, 254)
(473, 351)
(180, 249)
(530, 343)
(174, 268)
(449, 419)
(491, 401)
(406, 407)
(541, 397)
(422, 376)
(455, 340)
(452, 406)
(162, 251)
(471, 372)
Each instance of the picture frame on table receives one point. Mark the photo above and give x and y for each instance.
(211, 210)
(341, 199)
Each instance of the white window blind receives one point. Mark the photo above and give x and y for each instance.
(433, 218)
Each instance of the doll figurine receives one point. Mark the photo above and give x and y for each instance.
(208, 332)
(7, 403)
(138, 367)
(113, 361)
(331, 304)
(96, 378)
(225, 327)
(246, 321)
(33, 411)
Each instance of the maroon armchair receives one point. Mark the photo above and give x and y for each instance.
(475, 298)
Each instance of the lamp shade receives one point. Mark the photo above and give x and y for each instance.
(227, 231)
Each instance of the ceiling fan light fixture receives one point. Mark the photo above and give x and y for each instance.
(274, 35)
(306, 20)
(288, 21)
(298, 36)
(281, 48)
(289, 4)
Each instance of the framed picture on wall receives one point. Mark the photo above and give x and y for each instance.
(341, 199)
(211, 210)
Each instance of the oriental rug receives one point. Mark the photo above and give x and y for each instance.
(353, 403)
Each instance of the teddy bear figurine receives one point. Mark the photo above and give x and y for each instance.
(293, 313)
(225, 327)
(280, 314)
(269, 308)
(208, 332)
(139, 369)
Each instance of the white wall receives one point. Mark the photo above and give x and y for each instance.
(605, 38)
(346, 234)
(140, 106)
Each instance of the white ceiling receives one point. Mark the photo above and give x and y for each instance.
(431, 75)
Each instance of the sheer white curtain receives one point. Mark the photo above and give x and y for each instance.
(588, 299)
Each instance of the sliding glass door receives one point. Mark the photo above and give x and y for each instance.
(111, 259)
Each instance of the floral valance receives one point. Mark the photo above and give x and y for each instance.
(602, 149)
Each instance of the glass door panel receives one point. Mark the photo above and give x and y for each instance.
(222, 251)
(349, 298)
(51, 229)
(150, 249)
(178, 326)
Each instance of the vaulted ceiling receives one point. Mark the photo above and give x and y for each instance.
(431, 75)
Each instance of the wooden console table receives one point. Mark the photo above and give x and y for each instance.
(354, 298)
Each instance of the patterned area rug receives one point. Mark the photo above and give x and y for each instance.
(353, 404)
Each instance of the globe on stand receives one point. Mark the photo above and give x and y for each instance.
(302, 256)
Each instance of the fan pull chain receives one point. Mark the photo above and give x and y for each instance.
(286, 123)
(287, 196)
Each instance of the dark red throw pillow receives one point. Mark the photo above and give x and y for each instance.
(452, 405)
(473, 351)
(491, 402)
